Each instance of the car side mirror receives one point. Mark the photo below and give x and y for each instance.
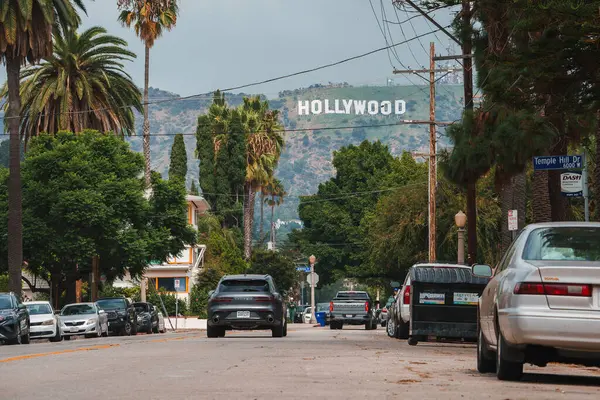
(482, 271)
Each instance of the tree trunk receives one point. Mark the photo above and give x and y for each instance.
(595, 206)
(272, 225)
(542, 211)
(248, 219)
(146, 120)
(262, 211)
(472, 223)
(15, 201)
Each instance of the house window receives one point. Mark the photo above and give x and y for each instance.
(175, 284)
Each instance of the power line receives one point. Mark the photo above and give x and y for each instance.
(257, 83)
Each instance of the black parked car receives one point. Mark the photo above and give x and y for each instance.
(122, 318)
(246, 302)
(14, 320)
(147, 317)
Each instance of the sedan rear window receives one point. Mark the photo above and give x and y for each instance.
(563, 244)
(244, 285)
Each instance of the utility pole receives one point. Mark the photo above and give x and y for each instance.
(313, 311)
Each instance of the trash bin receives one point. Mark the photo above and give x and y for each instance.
(321, 318)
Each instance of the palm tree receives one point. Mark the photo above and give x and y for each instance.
(81, 86)
(265, 143)
(277, 193)
(149, 19)
(25, 36)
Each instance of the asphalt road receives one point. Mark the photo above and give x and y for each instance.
(315, 363)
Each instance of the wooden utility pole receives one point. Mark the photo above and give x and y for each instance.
(432, 155)
(95, 277)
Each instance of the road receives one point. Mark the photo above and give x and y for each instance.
(315, 363)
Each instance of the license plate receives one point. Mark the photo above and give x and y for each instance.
(349, 316)
(74, 329)
(243, 314)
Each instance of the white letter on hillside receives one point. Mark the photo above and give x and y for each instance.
(327, 109)
(373, 107)
(400, 110)
(347, 106)
(386, 107)
(316, 107)
(338, 110)
(303, 107)
(359, 106)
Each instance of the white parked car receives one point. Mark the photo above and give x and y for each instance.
(543, 303)
(83, 319)
(44, 322)
(307, 315)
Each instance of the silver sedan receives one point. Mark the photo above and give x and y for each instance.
(543, 303)
(83, 319)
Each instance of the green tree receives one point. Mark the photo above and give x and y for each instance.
(178, 166)
(25, 36)
(85, 77)
(281, 268)
(149, 18)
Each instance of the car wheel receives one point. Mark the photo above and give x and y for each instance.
(155, 329)
(391, 328)
(412, 341)
(402, 331)
(26, 339)
(374, 325)
(285, 330)
(506, 370)
(384, 324)
(485, 363)
(57, 337)
(221, 332)
(333, 325)
(17, 339)
(278, 331)
(212, 331)
(134, 328)
(368, 326)
(127, 329)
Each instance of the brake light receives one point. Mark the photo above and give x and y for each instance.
(366, 306)
(407, 295)
(222, 300)
(331, 306)
(553, 289)
(264, 299)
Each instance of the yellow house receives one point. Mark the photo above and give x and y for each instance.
(178, 274)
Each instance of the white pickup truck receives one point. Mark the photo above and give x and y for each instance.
(352, 308)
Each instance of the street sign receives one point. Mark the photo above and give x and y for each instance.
(571, 184)
(545, 163)
(513, 220)
(303, 269)
(103, 278)
(308, 279)
(177, 283)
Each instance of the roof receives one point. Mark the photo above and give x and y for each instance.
(36, 302)
(564, 224)
(246, 276)
(441, 265)
(199, 202)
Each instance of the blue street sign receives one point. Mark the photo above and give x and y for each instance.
(303, 269)
(557, 162)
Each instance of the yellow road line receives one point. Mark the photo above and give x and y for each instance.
(53, 353)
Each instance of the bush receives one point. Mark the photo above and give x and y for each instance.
(199, 301)
(111, 291)
(169, 301)
(3, 283)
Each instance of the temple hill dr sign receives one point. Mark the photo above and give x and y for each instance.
(345, 106)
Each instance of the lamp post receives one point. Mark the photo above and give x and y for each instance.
(311, 261)
(461, 219)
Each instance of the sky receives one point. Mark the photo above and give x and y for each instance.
(226, 43)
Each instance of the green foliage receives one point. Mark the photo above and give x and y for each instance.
(111, 291)
(4, 153)
(3, 283)
(178, 168)
(281, 268)
(206, 281)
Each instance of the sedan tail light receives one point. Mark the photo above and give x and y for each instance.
(553, 289)
(407, 296)
(222, 300)
(264, 299)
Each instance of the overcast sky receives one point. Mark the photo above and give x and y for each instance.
(225, 43)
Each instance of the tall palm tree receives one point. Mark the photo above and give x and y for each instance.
(277, 193)
(25, 36)
(81, 86)
(149, 19)
(265, 143)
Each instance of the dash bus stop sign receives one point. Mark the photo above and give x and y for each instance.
(547, 163)
(571, 184)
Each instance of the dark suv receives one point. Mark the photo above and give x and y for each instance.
(14, 320)
(147, 317)
(122, 318)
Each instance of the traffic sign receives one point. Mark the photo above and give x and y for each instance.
(513, 220)
(303, 268)
(308, 278)
(545, 163)
(571, 184)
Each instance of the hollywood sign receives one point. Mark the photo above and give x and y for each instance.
(358, 107)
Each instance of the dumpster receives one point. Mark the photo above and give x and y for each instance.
(320, 316)
(443, 304)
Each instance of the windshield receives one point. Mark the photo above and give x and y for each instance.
(111, 304)
(5, 303)
(39, 309)
(140, 308)
(78, 309)
(244, 285)
(563, 244)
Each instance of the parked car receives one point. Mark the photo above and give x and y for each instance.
(44, 321)
(299, 316)
(83, 319)
(245, 302)
(14, 320)
(122, 318)
(307, 315)
(543, 303)
(147, 317)
(393, 317)
(384, 314)
(352, 308)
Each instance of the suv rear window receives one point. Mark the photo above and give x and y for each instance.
(352, 296)
(110, 304)
(244, 285)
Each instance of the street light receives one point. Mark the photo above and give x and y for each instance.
(311, 261)
(461, 219)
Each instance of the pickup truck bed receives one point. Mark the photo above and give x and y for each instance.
(352, 308)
